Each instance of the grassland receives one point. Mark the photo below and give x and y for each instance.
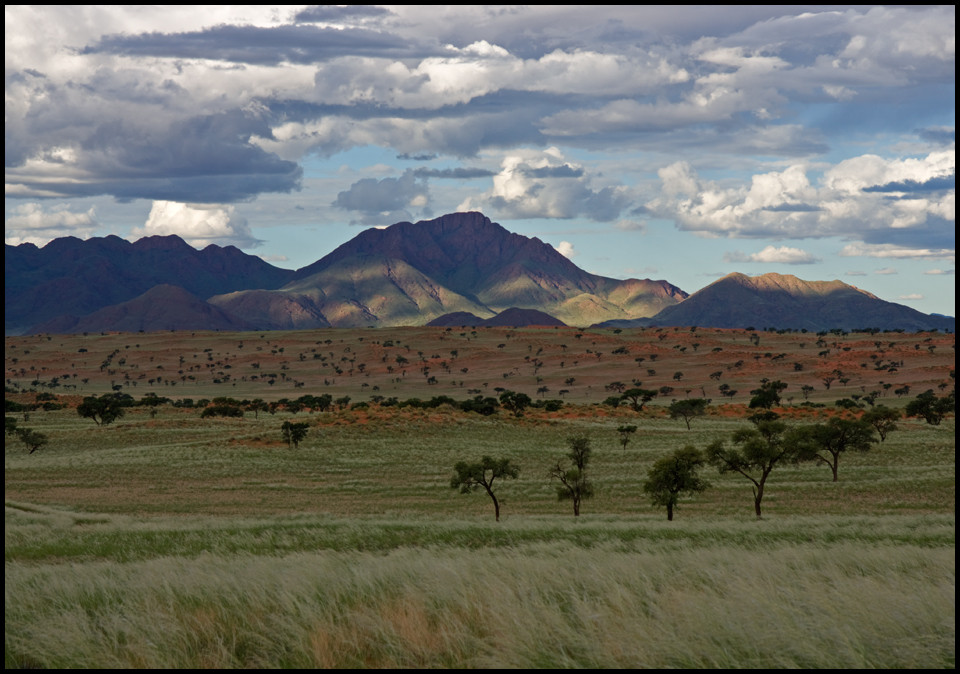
(167, 540)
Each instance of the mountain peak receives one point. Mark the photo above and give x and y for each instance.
(792, 285)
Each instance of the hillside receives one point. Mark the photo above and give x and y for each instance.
(412, 273)
(787, 302)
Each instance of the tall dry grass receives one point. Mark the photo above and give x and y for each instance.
(602, 593)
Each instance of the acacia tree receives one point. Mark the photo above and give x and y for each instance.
(625, 433)
(826, 442)
(768, 395)
(638, 397)
(574, 484)
(673, 475)
(930, 407)
(31, 438)
(515, 402)
(103, 410)
(471, 476)
(758, 451)
(688, 409)
(294, 433)
(883, 419)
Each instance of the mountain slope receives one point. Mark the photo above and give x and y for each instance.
(784, 301)
(352, 292)
(73, 277)
(163, 307)
(411, 273)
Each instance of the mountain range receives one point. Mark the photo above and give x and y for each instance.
(460, 268)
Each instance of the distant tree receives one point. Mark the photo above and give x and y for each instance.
(257, 405)
(930, 407)
(688, 408)
(31, 438)
(515, 402)
(756, 453)
(222, 410)
(825, 442)
(294, 433)
(625, 433)
(768, 395)
(638, 397)
(574, 484)
(673, 475)
(883, 419)
(103, 410)
(9, 425)
(470, 476)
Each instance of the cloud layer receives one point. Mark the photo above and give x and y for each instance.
(766, 123)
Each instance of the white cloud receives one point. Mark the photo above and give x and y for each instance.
(889, 250)
(862, 198)
(567, 250)
(939, 272)
(198, 225)
(543, 184)
(30, 223)
(774, 255)
(911, 296)
(886, 271)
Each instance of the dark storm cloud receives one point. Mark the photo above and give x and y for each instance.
(372, 196)
(261, 46)
(793, 208)
(565, 171)
(455, 173)
(935, 233)
(336, 13)
(937, 184)
(939, 136)
(203, 159)
(417, 157)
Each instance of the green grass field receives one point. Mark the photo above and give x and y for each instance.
(175, 541)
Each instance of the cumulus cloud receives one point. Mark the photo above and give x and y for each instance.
(787, 204)
(199, 225)
(774, 255)
(533, 184)
(893, 251)
(31, 223)
(567, 250)
(385, 200)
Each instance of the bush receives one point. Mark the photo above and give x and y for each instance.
(221, 411)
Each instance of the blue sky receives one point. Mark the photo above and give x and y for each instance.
(676, 143)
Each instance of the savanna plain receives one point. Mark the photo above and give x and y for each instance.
(178, 539)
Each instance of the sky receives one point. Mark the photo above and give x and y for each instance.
(676, 143)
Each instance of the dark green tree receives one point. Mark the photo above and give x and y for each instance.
(471, 476)
(673, 475)
(31, 438)
(574, 484)
(756, 452)
(294, 433)
(930, 407)
(825, 442)
(103, 410)
(638, 397)
(768, 395)
(883, 419)
(688, 409)
(625, 433)
(515, 402)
